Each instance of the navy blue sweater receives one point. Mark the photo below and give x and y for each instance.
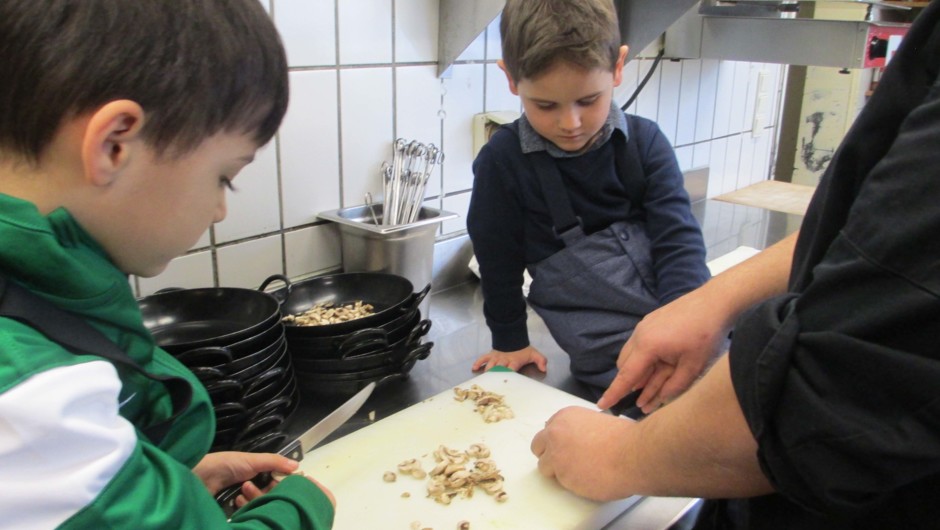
(510, 226)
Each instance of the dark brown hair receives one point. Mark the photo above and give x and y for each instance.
(197, 67)
(538, 33)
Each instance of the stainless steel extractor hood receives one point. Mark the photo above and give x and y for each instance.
(773, 31)
(459, 23)
(641, 22)
(644, 21)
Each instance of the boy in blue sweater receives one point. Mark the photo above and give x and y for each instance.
(588, 199)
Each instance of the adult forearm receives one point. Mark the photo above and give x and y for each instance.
(697, 446)
(747, 283)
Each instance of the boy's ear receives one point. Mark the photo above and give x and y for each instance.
(618, 68)
(512, 84)
(110, 138)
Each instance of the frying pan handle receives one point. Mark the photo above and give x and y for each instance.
(230, 409)
(270, 407)
(259, 382)
(207, 374)
(229, 414)
(419, 353)
(260, 426)
(280, 295)
(419, 297)
(359, 340)
(221, 388)
(389, 378)
(207, 354)
(419, 331)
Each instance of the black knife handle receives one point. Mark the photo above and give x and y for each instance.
(226, 497)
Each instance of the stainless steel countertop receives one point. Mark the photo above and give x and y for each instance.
(460, 335)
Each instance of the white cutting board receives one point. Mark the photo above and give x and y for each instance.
(723, 263)
(352, 466)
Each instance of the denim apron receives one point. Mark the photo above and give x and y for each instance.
(593, 292)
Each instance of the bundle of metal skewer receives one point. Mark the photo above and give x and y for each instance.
(405, 179)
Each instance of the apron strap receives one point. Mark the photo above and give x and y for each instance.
(630, 168)
(566, 224)
(80, 338)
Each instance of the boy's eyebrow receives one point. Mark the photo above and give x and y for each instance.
(540, 100)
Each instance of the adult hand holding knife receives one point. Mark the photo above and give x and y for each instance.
(304, 443)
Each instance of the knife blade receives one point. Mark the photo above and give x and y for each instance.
(304, 443)
(314, 435)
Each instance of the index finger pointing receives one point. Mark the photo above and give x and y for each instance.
(623, 384)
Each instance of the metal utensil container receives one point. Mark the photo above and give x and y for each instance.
(406, 249)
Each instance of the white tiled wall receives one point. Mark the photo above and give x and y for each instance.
(364, 72)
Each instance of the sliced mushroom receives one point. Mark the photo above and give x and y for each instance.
(490, 405)
(453, 468)
(478, 451)
(412, 467)
(435, 489)
(492, 487)
(450, 477)
(327, 313)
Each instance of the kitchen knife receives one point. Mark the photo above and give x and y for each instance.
(314, 435)
(304, 443)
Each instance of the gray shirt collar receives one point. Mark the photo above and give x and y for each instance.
(532, 141)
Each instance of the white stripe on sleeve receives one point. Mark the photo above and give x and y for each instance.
(61, 442)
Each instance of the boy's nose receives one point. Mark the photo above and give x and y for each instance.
(569, 120)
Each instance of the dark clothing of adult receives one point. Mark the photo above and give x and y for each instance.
(838, 379)
(511, 228)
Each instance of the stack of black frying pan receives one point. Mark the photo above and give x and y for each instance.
(234, 341)
(338, 359)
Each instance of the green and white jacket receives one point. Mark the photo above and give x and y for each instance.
(71, 450)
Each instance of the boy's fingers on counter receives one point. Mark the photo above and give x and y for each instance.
(482, 362)
(542, 364)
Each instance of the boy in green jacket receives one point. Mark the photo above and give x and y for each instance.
(123, 125)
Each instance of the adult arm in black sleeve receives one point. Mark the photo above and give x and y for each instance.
(839, 383)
